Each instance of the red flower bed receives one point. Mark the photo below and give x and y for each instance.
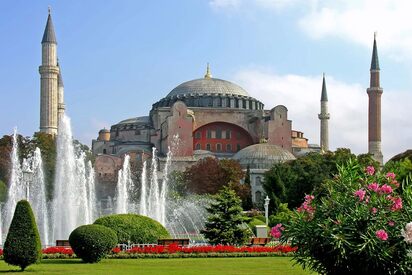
(170, 249)
(58, 250)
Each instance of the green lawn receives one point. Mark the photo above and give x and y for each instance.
(238, 266)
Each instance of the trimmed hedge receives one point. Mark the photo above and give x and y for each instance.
(22, 246)
(134, 228)
(92, 242)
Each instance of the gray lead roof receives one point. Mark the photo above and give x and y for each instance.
(49, 36)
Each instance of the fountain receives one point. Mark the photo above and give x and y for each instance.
(124, 186)
(27, 182)
(74, 195)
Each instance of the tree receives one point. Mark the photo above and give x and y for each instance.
(247, 203)
(208, 175)
(22, 246)
(225, 220)
(204, 177)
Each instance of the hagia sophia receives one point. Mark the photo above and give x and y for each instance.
(205, 117)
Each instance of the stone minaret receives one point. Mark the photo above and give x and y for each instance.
(324, 117)
(49, 78)
(374, 114)
(60, 105)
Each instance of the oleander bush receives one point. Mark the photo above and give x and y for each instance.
(134, 228)
(22, 246)
(362, 225)
(92, 242)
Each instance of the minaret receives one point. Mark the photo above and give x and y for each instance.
(49, 74)
(374, 114)
(60, 105)
(324, 116)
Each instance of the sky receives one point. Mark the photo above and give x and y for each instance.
(118, 57)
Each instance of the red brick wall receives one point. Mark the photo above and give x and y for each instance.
(238, 138)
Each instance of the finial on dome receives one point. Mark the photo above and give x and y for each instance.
(374, 35)
(49, 9)
(208, 74)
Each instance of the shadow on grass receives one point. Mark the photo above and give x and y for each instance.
(62, 261)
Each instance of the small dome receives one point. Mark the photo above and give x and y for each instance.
(104, 130)
(208, 86)
(262, 156)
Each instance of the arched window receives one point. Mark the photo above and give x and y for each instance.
(198, 146)
(219, 147)
(228, 147)
(208, 147)
(258, 181)
(104, 151)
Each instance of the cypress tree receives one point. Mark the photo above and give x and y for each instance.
(22, 246)
(225, 221)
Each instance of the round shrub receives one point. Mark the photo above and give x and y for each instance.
(92, 242)
(134, 228)
(22, 246)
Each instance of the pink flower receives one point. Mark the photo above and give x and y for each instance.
(397, 204)
(370, 170)
(309, 198)
(276, 231)
(391, 223)
(360, 194)
(374, 187)
(407, 233)
(374, 210)
(382, 235)
(390, 175)
(385, 189)
(395, 183)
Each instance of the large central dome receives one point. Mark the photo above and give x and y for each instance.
(208, 86)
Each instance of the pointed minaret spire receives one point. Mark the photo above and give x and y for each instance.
(49, 36)
(375, 59)
(374, 114)
(49, 81)
(208, 73)
(324, 116)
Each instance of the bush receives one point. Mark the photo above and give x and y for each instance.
(92, 242)
(22, 246)
(134, 228)
(361, 226)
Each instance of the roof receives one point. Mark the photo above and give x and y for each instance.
(136, 120)
(208, 85)
(375, 59)
(262, 156)
(49, 36)
(324, 96)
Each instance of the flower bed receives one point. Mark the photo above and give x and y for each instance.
(171, 249)
(175, 251)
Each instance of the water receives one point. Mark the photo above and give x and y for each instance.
(124, 187)
(73, 197)
(27, 182)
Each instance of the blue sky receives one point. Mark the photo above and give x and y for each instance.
(119, 57)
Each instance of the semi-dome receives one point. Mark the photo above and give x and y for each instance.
(262, 156)
(136, 120)
(205, 86)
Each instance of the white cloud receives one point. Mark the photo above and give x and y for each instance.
(357, 20)
(348, 105)
(219, 4)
